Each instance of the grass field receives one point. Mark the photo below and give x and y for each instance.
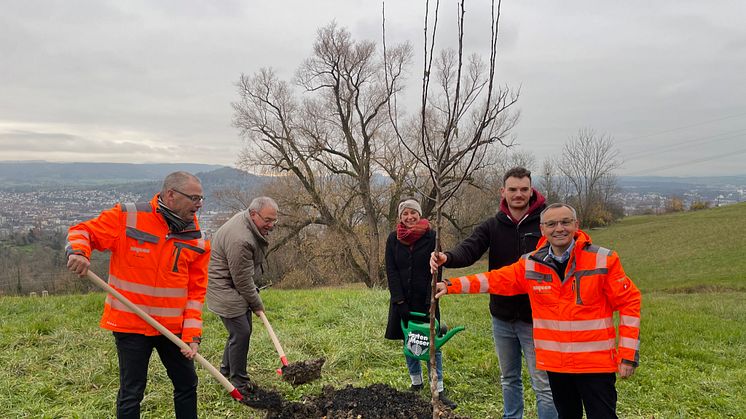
(56, 362)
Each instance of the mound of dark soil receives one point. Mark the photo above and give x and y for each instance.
(375, 401)
(260, 398)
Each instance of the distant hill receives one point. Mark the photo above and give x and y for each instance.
(225, 177)
(695, 180)
(37, 173)
(669, 184)
(212, 182)
(26, 173)
(139, 180)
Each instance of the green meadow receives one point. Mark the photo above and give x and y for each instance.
(56, 363)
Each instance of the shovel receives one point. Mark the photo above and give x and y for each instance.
(297, 372)
(275, 341)
(167, 333)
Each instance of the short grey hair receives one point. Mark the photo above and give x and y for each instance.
(177, 180)
(258, 203)
(558, 205)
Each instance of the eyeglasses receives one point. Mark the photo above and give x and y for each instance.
(194, 198)
(269, 221)
(567, 222)
(266, 220)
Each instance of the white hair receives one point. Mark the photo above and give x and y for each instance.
(258, 203)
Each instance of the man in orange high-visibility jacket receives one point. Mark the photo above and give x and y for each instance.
(574, 288)
(159, 261)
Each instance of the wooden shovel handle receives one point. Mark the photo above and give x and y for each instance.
(165, 332)
(272, 336)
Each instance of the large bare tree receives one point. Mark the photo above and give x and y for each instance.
(587, 164)
(549, 182)
(333, 139)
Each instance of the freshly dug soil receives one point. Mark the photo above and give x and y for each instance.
(260, 398)
(302, 372)
(375, 401)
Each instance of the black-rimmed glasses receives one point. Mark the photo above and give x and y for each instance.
(194, 198)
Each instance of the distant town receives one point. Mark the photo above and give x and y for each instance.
(55, 209)
(654, 196)
(50, 197)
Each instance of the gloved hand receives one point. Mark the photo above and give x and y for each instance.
(402, 309)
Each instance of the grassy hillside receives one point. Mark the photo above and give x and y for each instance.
(682, 252)
(56, 362)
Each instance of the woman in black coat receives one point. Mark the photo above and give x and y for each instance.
(408, 252)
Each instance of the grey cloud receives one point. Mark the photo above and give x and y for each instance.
(29, 141)
(166, 69)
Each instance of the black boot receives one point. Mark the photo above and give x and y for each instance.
(446, 401)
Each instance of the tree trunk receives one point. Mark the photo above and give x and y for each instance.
(433, 305)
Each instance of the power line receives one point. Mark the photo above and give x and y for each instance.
(695, 161)
(684, 127)
(679, 145)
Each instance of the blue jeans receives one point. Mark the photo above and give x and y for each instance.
(510, 338)
(415, 369)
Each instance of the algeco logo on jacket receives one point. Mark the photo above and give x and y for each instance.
(138, 250)
(542, 289)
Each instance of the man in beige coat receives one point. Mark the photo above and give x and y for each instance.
(236, 263)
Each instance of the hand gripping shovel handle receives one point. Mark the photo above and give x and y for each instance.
(167, 333)
(276, 342)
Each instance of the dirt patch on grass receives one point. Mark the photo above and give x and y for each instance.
(260, 398)
(374, 401)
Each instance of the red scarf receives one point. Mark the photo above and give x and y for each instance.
(409, 235)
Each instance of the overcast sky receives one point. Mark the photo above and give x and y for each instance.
(152, 81)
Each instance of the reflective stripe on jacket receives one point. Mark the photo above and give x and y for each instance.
(163, 273)
(573, 319)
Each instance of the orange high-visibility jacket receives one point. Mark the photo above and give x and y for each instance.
(573, 319)
(163, 273)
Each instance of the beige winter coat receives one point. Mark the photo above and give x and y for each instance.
(238, 251)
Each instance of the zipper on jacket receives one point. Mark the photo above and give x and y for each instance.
(178, 247)
(177, 253)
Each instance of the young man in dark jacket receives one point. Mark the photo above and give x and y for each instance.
(513, 231)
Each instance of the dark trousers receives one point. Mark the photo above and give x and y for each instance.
(236, 349)
(595, 392)
(134, 355)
